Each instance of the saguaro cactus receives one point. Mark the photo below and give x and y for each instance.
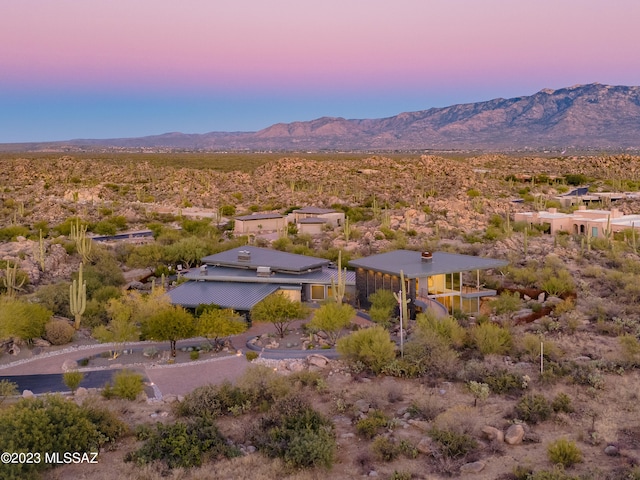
(339, 288)
(78, 298)
(401, 298)
(10, 280)
(83, 243)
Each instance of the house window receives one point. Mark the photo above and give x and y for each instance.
(317, 292)
(594, 232)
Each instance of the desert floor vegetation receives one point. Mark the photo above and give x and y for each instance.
(542, 383)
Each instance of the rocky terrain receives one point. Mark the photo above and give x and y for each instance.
(586, 293)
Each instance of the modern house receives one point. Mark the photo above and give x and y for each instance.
(329, 215)
(595, 223)
(241, 277)
(438, 280)
(259, 222)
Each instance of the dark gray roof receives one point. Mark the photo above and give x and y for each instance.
(260, 216)
(314, 210)
(413, 267)
(265, 257)
(229, 274)
(238, 296)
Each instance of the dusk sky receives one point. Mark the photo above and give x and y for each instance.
(113, 68)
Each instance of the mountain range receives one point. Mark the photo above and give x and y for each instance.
(583, 116)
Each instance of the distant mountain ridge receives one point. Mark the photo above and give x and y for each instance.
(582, 116)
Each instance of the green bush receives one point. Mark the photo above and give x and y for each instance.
(562, 403)
(503, 382)
(426, 353)
(59, 332)
(490, 338)
(370, 426)
(533, 409)
(295, 432)
(215, 400)
(72, 379)
(126, 384)
(194, 355)
(46, 424)
(446, 328)
(385, 449)
(453, 444)
(182, 444)
(564, 452)
(506, 303)
(251, 355)
(371, 346)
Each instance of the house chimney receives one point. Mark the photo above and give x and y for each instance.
(426, 256)
(244, 255)
(553, 210)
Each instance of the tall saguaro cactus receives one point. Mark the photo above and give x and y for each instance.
(339, 288)
(401, 298)
(78, 298)
(10, 280)
(83, 243)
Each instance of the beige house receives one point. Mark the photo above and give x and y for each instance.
(330, 216)
(259, 222)
(595, 223)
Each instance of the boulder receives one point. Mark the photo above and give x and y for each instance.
(362, 406)
(27, 394)
(473, 467)
(41, 343)
(419, 424)
(514, 435)
(69, 365)
(81, 392)
(493, 433)
(318, 360)
(424, 445)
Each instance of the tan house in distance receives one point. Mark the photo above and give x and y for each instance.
(595, 223)
(260, 222)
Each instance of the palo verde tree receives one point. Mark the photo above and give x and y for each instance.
(278, 309)
(172, 323)
(215, 323)
(332, 318)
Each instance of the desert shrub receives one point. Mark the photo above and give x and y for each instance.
(7, 389)
(533, 409)
(506, 303)
(182, 444)
(561, 282)
(562, 403)
(630, 349)
(564, 452)
(263, 386)
(480, 391)
(370, 426)
(126, 384)
(528, 348)
(384, 448)
(371, 346)
(194, 355)
(109, 425)
(59, 332)
(427, 353)
(504, 382)
(47, 424)
(21, 319)
(294, 431)
(383, 304)
(427, 408)
(396, 475)
(583, 374)
(459, 419)
(446, 328)
(215, 400)
(453, 444)
(251, 355)
(490, 338)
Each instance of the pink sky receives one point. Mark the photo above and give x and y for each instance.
(433, 51)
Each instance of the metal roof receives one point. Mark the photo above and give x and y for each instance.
(229, 274)
(411, 264)
(238, 296)
(265, 257)
(314, 210)
(259, 216)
